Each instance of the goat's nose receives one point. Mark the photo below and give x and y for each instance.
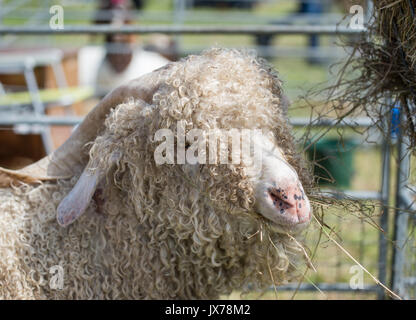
(291, 202)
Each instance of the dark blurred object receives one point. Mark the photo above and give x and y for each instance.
(112, 11)
(306, 7)
(119, 46)
(138, 4)
(242, 4)
(334, 161)
(312, 7)
(19, 150)
(347, 4)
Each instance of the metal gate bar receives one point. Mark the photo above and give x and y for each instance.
(173, 29)
(401, 220)
(384, 218)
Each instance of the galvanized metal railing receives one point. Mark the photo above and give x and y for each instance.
(175, 29)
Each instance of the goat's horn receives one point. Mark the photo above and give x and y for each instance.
(69, 159)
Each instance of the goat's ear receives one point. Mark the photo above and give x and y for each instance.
(78, 199)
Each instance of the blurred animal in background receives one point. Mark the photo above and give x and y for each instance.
(124, 59)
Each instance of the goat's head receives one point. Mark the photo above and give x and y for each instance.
(266, 185)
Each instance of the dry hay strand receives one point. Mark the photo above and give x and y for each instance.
(363, 210)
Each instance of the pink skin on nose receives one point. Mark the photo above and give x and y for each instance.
(290, 202)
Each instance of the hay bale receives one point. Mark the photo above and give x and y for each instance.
(380, 73)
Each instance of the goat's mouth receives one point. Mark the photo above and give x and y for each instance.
(287, 209)
(284, 227)
(287, 228)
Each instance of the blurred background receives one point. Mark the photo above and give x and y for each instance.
(83, 68)
(66, 75)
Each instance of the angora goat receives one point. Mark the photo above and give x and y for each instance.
(117, 225)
